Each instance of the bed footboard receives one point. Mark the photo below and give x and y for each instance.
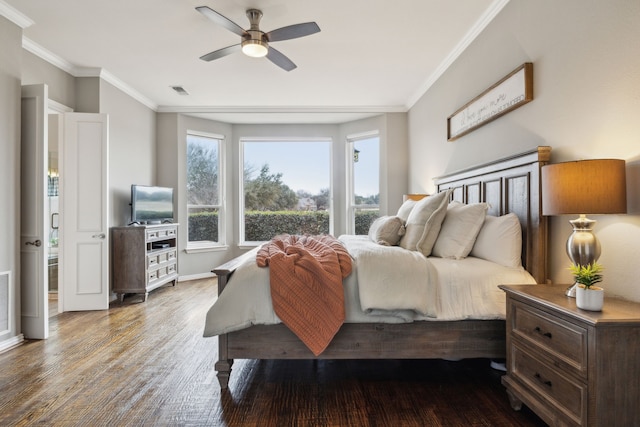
(419, 340)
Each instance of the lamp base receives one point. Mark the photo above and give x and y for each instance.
(583, 248)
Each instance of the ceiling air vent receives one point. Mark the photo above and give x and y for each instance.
(180, 90)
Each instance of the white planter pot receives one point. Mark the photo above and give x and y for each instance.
(589, 299)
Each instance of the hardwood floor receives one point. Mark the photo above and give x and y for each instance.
(146, 364)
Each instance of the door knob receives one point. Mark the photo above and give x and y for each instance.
(36, 243)
(99, 236)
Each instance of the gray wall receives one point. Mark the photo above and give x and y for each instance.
(132, 148)
(10, 68)
(171, 160)
(394, 156)
(586, 105)
(62, 85)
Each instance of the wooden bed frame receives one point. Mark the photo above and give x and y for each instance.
(509, 185)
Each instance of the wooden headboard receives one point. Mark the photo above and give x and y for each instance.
(511, 184)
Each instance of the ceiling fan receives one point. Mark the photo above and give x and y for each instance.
(255, 42)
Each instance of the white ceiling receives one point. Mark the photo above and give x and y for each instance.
(371, 56)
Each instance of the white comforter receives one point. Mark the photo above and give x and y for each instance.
(387, 284)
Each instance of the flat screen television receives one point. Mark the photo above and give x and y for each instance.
(151, 205)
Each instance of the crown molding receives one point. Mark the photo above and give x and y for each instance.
(15, 16)
(281, 109)
(75, 71)
(53, 59)
(124, 87)
(486, 18)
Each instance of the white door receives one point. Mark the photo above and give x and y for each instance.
(34, 229)
(83, 239)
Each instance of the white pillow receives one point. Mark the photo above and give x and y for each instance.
(500, 240)
(459, 230)
(387, 230)
(424, 222)
(406, 209)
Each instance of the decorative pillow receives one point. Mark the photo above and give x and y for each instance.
(405, 209)
(424, 222)
(387, 230)
(459, 230)
(500, 240)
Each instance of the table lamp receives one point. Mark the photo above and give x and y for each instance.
(584, 187)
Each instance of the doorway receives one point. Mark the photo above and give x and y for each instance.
(53, 205)
(82, 248)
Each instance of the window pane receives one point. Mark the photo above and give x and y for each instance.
(366, 171)
(365, 183)
(286, 188)
(203, 188)
(203, 224)
(364, 218)
(202, 170)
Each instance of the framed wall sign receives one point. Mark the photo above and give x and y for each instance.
(511, 92)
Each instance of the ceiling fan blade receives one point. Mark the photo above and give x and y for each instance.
(221, 52)
(280, 60)
(221, 20)
(293, 31)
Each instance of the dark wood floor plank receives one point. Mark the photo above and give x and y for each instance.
(147, 364)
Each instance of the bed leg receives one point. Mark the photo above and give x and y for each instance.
(223, 365)
(515, 403)
(224, 371)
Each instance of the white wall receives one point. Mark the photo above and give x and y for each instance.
(586, 104)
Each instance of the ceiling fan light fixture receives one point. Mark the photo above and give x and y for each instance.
(255, 48)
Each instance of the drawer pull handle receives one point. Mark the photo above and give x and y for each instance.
(545, 382)
(546, 334)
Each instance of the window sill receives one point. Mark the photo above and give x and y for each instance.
(208, 248)
(251, 245)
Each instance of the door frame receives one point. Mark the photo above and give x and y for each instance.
(34, 228)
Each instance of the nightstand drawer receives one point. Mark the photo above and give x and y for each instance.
(559, 391)
(566, 342)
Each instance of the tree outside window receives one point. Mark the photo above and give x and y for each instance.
(204, 198)
(286, 187)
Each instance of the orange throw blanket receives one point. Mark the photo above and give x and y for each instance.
(306, 275)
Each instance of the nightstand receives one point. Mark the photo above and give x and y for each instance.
(571, 366)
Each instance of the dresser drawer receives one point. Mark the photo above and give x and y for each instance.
(152, 276)
(564, 341)
(553, 388)
(152, 260)
(161, 233)
(157, 258)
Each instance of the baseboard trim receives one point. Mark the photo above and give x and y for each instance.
(196, 277)
(11, 343)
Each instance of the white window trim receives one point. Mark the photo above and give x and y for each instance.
(221, 244)
(244, 244)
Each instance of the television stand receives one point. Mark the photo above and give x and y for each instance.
(144, 257)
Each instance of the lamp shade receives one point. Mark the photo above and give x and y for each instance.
(584, 187)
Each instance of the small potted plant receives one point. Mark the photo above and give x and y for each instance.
(588, 296)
